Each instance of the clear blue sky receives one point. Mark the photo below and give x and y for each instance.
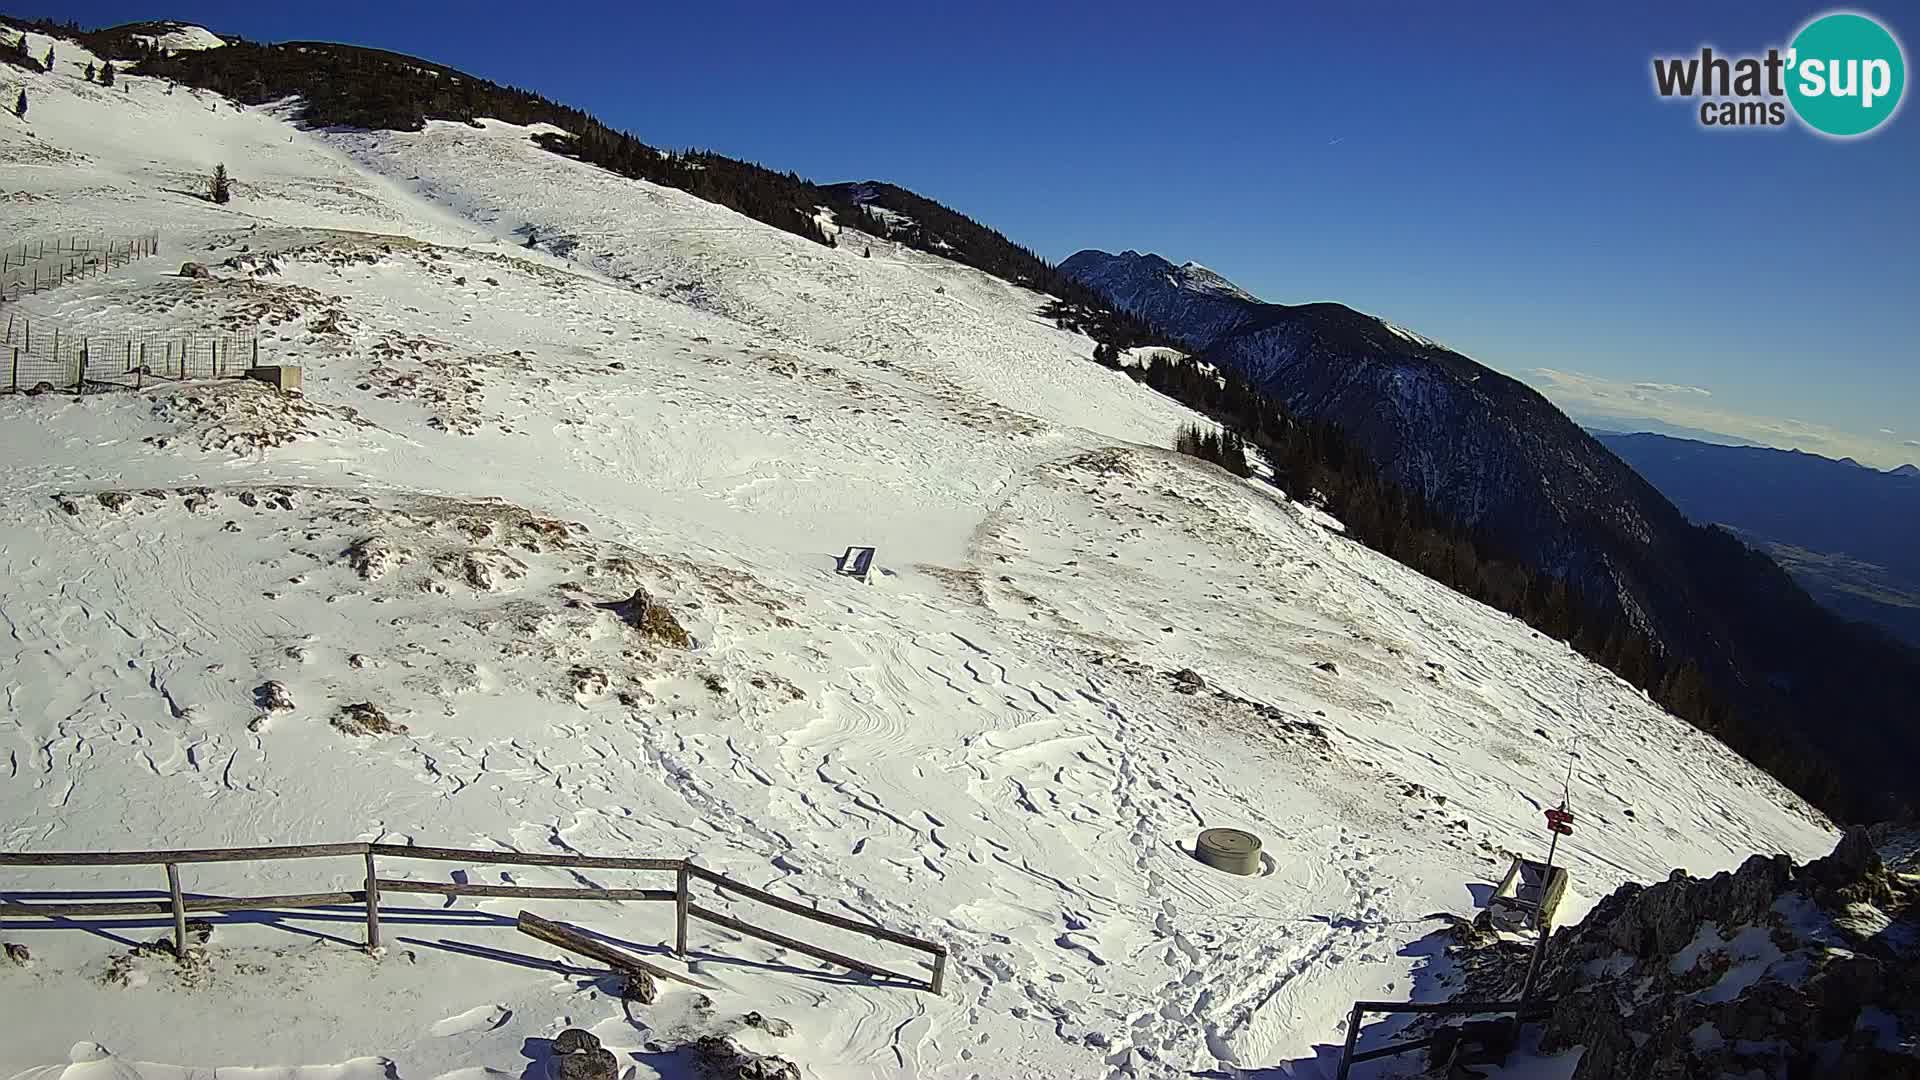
(1504, 181)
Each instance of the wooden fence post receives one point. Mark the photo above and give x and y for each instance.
(16, 369)
(179, 912)
(373, 907)
(939, 971)
(682, 896)
(80, 383)
(140, 372)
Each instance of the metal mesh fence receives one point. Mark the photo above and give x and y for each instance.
(30, 266)
(36, 357)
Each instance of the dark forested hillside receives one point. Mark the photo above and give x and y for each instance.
(1456, 451)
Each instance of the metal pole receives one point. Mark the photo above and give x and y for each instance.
(179, 912)
(939, 971)
(1353, 1037)
(1540, 923)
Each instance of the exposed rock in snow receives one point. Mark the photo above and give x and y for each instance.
(1771, 970)
(366, 718)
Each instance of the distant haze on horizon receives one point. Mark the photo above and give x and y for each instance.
(1504, 180)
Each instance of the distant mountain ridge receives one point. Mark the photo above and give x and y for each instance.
(1495, 455)
(1192, 304)
(1845, 531)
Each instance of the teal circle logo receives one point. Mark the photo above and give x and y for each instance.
(1846, 73)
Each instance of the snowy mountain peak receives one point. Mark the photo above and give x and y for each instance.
(177, 36)
(1191, 301)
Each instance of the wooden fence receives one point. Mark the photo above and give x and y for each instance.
(686, 872)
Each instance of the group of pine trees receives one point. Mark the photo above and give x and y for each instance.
(1224, 448)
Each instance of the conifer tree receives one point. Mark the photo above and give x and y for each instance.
(48, 62)
(20, 105)
(89, 72)
(221, 188)
(106, 74)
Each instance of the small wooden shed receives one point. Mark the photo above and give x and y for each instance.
(1528, 884)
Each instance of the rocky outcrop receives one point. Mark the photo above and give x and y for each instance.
(1772, 970)
(652, 618)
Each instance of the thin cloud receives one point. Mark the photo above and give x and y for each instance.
(1886, 431)
(1686, 406)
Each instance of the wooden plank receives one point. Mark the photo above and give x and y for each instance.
(179, 911)
(190, 855)
(798, 946)
(939, 972)
(682, 896)
(529, 892)
(119, 907)
(1463, 1007)
(198, 903)
(784, 904)
(373, 906)
(521, 858)
(566, 937)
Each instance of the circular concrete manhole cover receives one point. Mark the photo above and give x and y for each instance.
(1231, 850)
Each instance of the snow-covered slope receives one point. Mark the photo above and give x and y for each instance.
(987, 745)
(180, 37)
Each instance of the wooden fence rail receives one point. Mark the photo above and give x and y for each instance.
(685, 871)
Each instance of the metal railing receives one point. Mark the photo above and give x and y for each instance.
(1349, 1057)
(685, 871)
